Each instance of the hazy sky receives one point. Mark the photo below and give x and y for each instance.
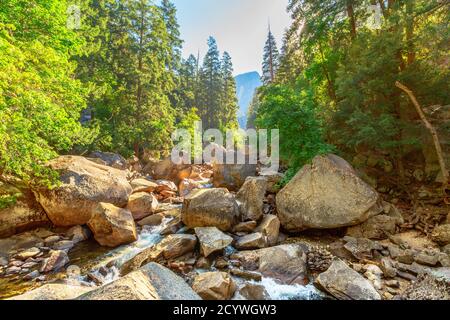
(239, 26)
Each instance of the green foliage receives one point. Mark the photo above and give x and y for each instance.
(292, 111)
(40, 101)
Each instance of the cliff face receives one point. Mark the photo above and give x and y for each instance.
(246, 84)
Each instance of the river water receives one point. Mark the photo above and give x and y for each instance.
(89, 257)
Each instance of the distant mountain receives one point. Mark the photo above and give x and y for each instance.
(246, 84)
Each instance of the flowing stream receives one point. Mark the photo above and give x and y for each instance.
(88, 258)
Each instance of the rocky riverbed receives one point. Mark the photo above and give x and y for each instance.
(218, 233)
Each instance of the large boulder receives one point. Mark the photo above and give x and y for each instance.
(210, 208)
(214, 286)
(212, 240)
(112, 226)
(25, 214)
(344, 283)
(250, 198)
(232, 176)
(285, 263)
(142, 204)
(326, 194)
(83, 185)
(151, 282)
(109, 159)
(53, 291)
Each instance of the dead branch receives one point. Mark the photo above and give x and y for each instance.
(433, 132)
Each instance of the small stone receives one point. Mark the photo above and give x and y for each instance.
(94, 278)
(245, 227)
(254, 292)
(15, 263)
(49, 241)
(392, 291)
(388, 296)
(221, 263)
(406, 276)
(78, 234)
(427, 260)
(203, 263)
(73, 271)
(406, 256)
(3, 261)
(29, 253)
(57, 260)
(153, 220)
(388, 268)
(29, 265)
(444, 260)
(63, 245)
(103, 271)
(13, 270)
(251, 241)
(24, 270)
(249, 275)
(393, 283)
(32, 275)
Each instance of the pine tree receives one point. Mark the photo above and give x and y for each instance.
(211, 87)
(229, 106)
(270, 59)
(169, 13)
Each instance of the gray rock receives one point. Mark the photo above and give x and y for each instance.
(54, 291)
(250, 198)
(232, 176)
(270, 228)
(78, 234)
(254, 292)
(344, 283)
(326, 194)
(63, 245)
(57, 260)
(28, 253)
(426, 259)
(32, 275)
(212, 240)
(214, 286)
(83, 185)
(210, 208)
(151, 282)
(377, 228)
(245, 227)
(441, 234)
(251, 241)
(285, 263)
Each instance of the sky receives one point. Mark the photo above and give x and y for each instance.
(239, 26)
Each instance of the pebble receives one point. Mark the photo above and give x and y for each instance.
(427, 260)
(51, 240)
(406, 257)
(388, 296)
(32, 275)
(393, 283)
(406, 276)
(3, 261)
(13, 270)
(63, 245)
(15, 263)
(29, 253)
(249, 275)
(29, 265)
(94, 278)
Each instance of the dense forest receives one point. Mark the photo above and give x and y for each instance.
(333, 87)
(120, 68)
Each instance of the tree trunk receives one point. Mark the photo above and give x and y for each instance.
(433, 133)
